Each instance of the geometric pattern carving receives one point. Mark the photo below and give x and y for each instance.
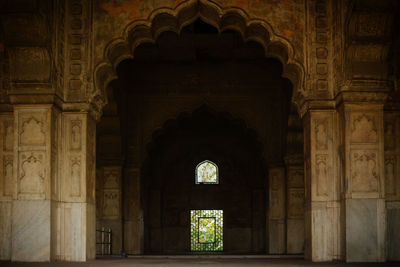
(364, 171)
(363, 130)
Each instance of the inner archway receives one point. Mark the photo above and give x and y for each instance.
(170, 191)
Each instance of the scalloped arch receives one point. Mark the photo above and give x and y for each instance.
(167, 19)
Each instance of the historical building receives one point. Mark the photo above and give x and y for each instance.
(193, 126)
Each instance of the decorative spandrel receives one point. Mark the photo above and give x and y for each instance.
(206, 230)
(207, 173)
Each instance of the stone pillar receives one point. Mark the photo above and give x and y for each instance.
(295, 204)
(322, 205)
(363, 166)
(6, 182)
(392, 183)
(31, 221)
(277, 211)
(74, 189)
(109, 204)
(53, 208)
(133, 217)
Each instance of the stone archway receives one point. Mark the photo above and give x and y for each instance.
(168, 19)
(169, 191)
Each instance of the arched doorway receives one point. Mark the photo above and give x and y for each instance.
(178, 74)
(170, 191)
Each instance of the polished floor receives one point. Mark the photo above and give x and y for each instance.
(225, 261)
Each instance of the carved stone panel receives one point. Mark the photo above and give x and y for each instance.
(363, 128)
(76, 135)
(276, 194)
(76, 176)
(32, 175)
(364, 171)
(111, 178)
(322, 175)
(8, 138)
(321, 135)
(295, 203)
(7, 175)
(111, 203)
(295, 177)
(32, 130)
(390, 176)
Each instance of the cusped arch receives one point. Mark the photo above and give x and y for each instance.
(168, 19)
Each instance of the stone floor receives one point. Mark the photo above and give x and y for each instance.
(226, 261)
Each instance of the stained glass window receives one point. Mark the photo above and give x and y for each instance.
(206, 173)
(206, 230)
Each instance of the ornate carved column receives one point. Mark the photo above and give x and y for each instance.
(295, 204)
(322, 202)
(74, 212)
(362, 145)
(34, 168)
(109, 204)
(277, 211)
(392, 181)
(6, 182)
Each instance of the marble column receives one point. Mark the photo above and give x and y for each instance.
(322, 205)
(74, 215)
(6, 182)
(295, 204)
(392, 182)
(53, 208)
(277, 211)
(109, 204)
(363, 181)
(33, 167)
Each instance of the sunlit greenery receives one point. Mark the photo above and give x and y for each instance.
(207, 173)
(206, 230)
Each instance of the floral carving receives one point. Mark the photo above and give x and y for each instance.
(32, 175)
(364, 172)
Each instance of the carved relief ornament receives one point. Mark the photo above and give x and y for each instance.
(32, 132)
(363, 130)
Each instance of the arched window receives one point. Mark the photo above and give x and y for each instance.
(206, 173)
